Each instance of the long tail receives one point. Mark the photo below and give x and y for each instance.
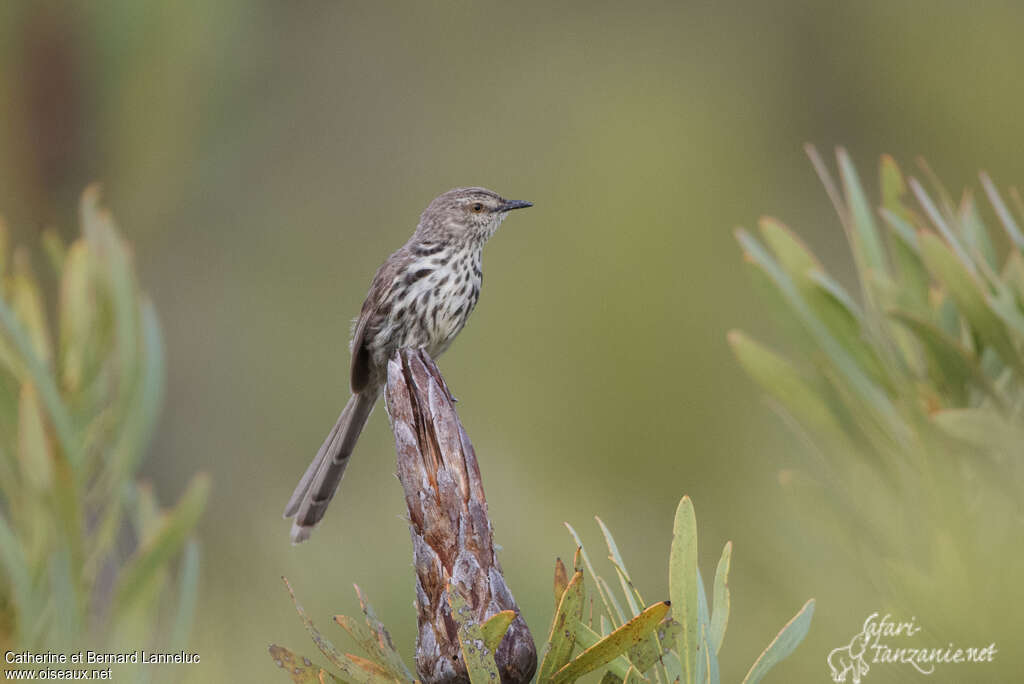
(321, 479)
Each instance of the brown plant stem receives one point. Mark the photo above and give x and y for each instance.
(452, 538)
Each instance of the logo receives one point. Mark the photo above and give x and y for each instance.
(882, 639)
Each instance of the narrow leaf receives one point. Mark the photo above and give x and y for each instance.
(479, 659)
(166, 542)
(1005, 217)
(353, 670)
(383, 638)
(561, 580)
(981, 428)
(582, 552)
(300, 669)
(721, 600)
(967, 293)
(188, 591)
(587, 638)
(784, 643)
(865, 241)
(495, 628)
(613, 645)
(562, 636)
(682, 583)
(35, 456)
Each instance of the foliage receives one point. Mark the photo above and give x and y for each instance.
(86, 554)
(911, 392)
(630, 642)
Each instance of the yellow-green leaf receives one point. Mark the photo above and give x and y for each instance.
(587, 638)
(981, 428)
(970, 300)
(682, 583)
(562, 636)
(35, 455)
(495, 627)
(613, 645)
(353, 670)
(362, 635)
(784, 643)
(720, 600)
(166, 542)
(300, 669)
(479, 659)
(27, 302)
(561, 580)
(383, 638)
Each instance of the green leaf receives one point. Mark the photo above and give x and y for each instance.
(54, 248)
(355, 670)
(975, 233)
(942, 225)
(1005, 217)
(868, 250)
(65, 594)
(378, 652)
(615, 557)
(561, 580)
(951, 365)
(893, 186)
(613, 645)
(721, 600)
(188, 592)
(981, 428)
(710, 659)
(495, 628)
(606, 598)
(787, 384)
(967, 294)
(77, 317)
(17, 573)
(620, 614)
(882, 410)
(682, 583)
(34, 453)
(562, 636)
(704, 654)
(649, 652)
(479, 659)
(587, 638)
(633, 676)
(784, 643)
(792, 254)
(168, 540)
(43, 380)
(27, 302)
(383, 638)
(300, 669)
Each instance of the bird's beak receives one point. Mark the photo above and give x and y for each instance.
(509, 205)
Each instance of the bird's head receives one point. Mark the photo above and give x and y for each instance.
(466, 213)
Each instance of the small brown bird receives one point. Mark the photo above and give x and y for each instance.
(420, 297)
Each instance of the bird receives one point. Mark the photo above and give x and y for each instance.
(420, 297)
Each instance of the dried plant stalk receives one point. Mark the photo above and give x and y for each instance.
(451, 534)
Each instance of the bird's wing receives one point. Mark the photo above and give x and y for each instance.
(375, 309)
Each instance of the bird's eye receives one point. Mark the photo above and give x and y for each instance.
(477, 208)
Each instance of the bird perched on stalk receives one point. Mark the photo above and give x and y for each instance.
(420, 297)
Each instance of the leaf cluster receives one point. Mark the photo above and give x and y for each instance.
(909, 390)
(86, 553)
(629, 640)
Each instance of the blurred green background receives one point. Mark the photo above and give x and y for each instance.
(265, 157)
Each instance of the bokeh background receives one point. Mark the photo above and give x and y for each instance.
(264, 158)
